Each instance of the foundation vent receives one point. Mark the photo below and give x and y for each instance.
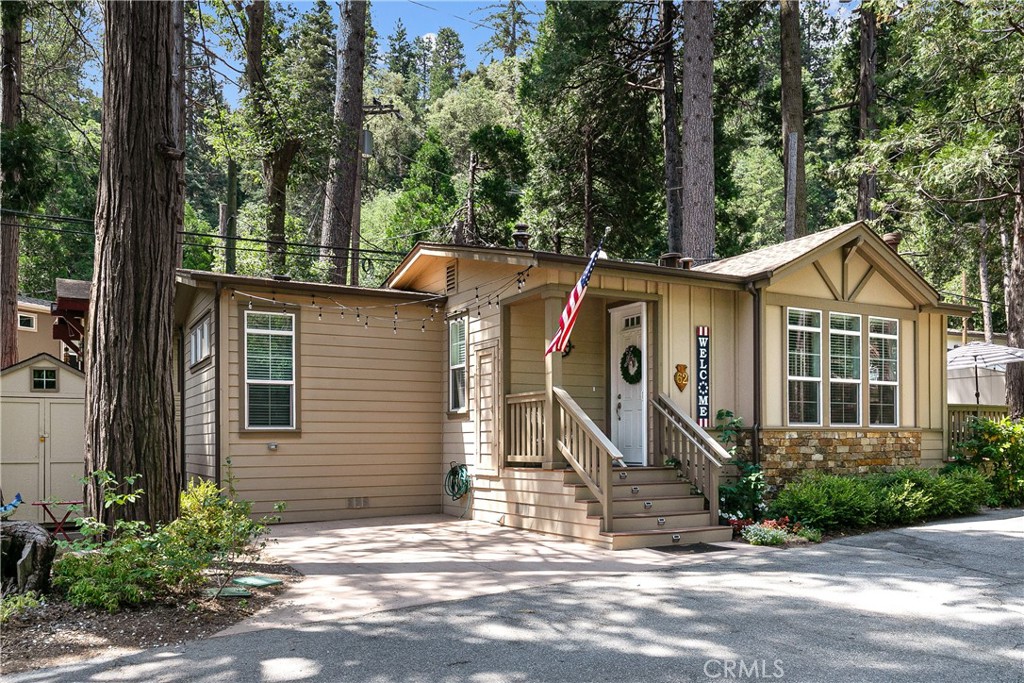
(358, 503)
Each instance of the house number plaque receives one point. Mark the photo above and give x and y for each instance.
(704, 376)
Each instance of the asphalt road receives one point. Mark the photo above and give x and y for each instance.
(940, 602)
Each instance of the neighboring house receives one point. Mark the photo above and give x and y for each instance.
(42, 420)
(35, 328)
(348, 402)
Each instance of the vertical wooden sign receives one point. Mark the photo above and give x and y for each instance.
(703, 376)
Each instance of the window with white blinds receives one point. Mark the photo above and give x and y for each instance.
(883, 371)
(269, 370)
(804, 371)
(457, 365)
(844, 361)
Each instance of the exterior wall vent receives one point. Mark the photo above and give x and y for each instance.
(358, 503)
(451, 279)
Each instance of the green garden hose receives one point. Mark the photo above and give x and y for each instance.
(457, 481)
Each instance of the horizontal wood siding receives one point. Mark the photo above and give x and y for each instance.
(368, 442)
(200, 404)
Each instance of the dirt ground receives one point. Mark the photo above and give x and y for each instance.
(57, 633)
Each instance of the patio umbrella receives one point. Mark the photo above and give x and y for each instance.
(982, 355)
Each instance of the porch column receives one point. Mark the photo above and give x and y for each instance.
(553, 305)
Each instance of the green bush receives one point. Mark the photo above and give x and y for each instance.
(14, 604)
(902, 497)
(960, 492)
(743, 499)
(996, 448)
(138, 564)
(827, 502)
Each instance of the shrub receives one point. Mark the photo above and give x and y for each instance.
(996, 448)
(959, 492)
(761, 534)
(745, 498)
(827, 502)
(902, 497)
(809, 533)
(13, 604)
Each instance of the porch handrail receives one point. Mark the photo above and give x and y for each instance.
(961, 414)
(587, 450)
(526, 427)
(700, 454)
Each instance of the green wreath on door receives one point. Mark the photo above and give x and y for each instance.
(630, 365)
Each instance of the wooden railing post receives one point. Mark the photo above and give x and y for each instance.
(553, 304)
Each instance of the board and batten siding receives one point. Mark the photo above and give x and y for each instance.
(368, 442)
(199, 387)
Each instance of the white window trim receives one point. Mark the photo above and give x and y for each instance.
(464, 320)
(200, 333)
(33, 317)
(896, 395)
(858, 382)
(818, 380)
(245, 370)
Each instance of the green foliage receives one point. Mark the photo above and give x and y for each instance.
(13, 604)
(447, 61)
(835, 503)
(136, 564)
(827, 502)
(996, 448)
(810, 533)
(428, 195)
(743, 499)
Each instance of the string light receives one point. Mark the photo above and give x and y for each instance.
(396, 311)
(320, 315)
(366, 323)
(395, 328)
(343, 313)
(232, 295)
(250, 304)
(357, 314)
(423, 327)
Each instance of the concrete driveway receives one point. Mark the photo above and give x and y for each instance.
(939, 602)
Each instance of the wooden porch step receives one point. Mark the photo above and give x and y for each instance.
(658, 505)
(632, 475)
(643, 521)
(626, 490)
(625, 540)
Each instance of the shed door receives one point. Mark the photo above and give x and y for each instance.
(628, 330)
(65, 461)
(22, 449)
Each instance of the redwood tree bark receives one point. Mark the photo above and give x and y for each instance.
(1015, 290)
(670, 125)
(339, 203)
(10, 231)
(867, 183)
(129, 395)
(697, 196)
(793, 114)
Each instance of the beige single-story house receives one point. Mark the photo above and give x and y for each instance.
(35, 325)
(42, 424)
(347, 401)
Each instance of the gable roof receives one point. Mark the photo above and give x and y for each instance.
(769, 259)
(38, 357)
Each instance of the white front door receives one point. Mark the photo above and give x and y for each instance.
(628, 327)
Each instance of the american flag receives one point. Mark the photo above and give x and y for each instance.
(572, 306)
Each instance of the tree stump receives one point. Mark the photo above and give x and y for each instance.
(26, 556)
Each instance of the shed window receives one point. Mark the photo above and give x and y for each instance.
(44, 379)
(883, 370)
(457, 365)
(804, 372)
(844, 368)
(27, 321)
(199, 342)
(269, 370)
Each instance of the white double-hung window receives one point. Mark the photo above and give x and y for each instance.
(804, 366)
(883, 371)
(457, 365)
(269, 370)
(844, 361)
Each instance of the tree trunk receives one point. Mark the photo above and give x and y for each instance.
(26, 556)
(276, 168)
(670, 126)
(697, 196)
(1015, 290)
(589, 243)
(793, 114)
(10, 231)
(348, 125)
(470, 204)
(983, 279)
(129, 396)
(867, 183)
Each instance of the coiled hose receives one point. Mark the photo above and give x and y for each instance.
(457, 481)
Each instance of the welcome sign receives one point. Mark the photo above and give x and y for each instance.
(704, 376)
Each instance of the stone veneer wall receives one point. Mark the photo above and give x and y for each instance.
(786, 454)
